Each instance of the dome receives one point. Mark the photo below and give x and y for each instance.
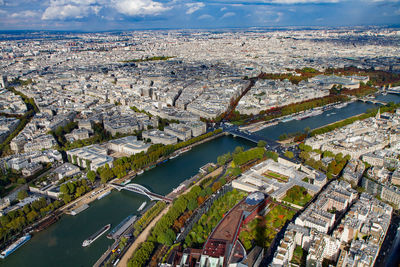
(255, 198)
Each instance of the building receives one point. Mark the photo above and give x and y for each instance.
(181, 131)
(78, 134)
(197, 127)
(159, 137)
(91, 157)
(353, 171)
(66, 170)
(264, 177)
(39, 143)
(31, 169)
(123, 124)
(128, 145)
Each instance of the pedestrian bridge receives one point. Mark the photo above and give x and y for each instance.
(140, 189)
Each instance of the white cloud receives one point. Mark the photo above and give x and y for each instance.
(75, 9)
(67, 11)
(222, 9)
(193, 7)
(139, 7)
(25, 14)
(228, 14)
(205, 17)
(1, 2)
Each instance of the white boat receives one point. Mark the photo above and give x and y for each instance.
(341, 105)
(14, 246)
(103, 195)
(142, 206)
(96, 235)
(174, 156)
(140, 172)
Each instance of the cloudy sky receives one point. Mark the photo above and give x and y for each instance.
(99, 15)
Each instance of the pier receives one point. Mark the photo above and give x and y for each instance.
(140, 189)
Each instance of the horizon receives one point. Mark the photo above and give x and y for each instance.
(227, 29)
(130, 15)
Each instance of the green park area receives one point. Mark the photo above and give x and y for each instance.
(299, 256)
(275, 175)
(202, 229)
(297, 195)
(263, 230)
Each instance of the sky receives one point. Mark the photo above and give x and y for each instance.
(104, 15)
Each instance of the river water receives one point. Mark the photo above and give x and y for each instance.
(61, 244)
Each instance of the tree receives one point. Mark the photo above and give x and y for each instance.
(21, 181)
(192, 205)
(261, 143)
(289, 154)
(238, 150)
(31, 216)
(91, 175)
(64, 189)
(67, 198)
(22, 194)
(71, 187)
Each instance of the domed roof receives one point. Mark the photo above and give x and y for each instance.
(255, 198)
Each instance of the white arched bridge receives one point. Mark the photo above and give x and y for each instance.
(140, 189)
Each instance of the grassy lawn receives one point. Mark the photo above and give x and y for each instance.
(271, 175)
(297, 195)
(263, 230)
(297, 255)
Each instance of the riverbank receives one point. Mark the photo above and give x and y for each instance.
(258, 126)
(146, 232)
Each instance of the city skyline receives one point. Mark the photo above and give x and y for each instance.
(105, 15)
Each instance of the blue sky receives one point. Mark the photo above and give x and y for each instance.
(99, 15)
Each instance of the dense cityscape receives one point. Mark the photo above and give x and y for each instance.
(237, 147)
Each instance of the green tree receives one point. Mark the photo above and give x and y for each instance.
(31, 216)
(261, 143)
(67, 198)
(22, 194)
(21, 181)
(64, 189)
(192, 205)
(289, 154)
(91, 175)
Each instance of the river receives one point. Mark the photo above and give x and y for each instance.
(327, 117)
(61, 244)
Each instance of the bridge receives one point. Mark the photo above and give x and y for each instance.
(140, 189)
(271, 145)
(393, 91)
(373, 101)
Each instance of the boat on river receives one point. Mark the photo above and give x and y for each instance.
(96, 235)
(14, 246)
